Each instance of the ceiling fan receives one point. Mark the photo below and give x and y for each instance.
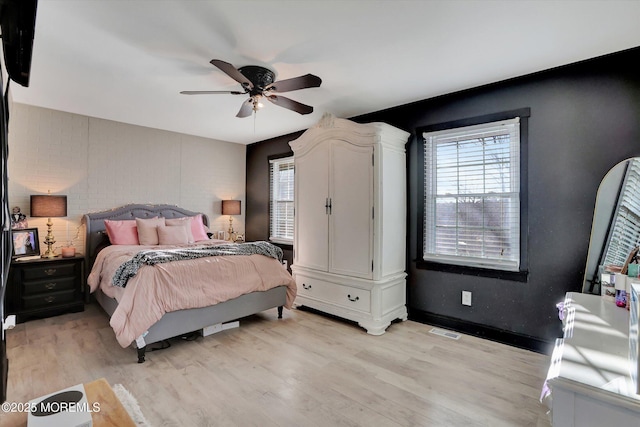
(259, 82)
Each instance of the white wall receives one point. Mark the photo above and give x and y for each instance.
(101, 164)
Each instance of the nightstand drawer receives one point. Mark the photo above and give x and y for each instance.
(50, 285)
(44, 271)
(49, 299)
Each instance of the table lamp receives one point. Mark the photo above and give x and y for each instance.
(48, 206)
(231, 207)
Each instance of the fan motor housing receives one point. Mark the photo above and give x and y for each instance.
(260, 77)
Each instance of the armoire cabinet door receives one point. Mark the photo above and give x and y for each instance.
(311, 195)
(351, 221)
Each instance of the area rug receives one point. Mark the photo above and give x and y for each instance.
(131, 405)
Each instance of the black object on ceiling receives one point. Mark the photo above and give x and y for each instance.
(18, 20)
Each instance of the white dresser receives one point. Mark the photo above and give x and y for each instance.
(350, 221)
(589, 375)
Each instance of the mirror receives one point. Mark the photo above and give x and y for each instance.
(616, 221)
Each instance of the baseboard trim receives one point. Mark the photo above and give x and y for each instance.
(487, 332)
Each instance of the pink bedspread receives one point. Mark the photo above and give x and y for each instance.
(177, 285)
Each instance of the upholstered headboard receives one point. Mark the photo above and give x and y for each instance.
(96, 235)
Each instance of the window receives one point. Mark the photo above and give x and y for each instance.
(472, 196)
(281, 200)
(625, 230)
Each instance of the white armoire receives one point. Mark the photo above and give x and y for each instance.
(350, 221)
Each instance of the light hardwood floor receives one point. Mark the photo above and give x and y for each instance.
(304, 370)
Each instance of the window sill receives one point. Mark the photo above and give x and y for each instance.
(282, 244)
(514, 276)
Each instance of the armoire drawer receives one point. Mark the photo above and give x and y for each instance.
(332, 293)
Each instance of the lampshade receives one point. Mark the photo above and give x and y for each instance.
(231, 207)
(48, 206)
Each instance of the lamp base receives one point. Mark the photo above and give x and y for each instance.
(50, 253)
(231, 232)
(49, 241)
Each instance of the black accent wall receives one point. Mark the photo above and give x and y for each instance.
(584, 118)
(257, 194)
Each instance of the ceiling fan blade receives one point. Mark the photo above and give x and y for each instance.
(247, 108)
(232, 72)
(296, 106)
(302, 82)
(210, 92)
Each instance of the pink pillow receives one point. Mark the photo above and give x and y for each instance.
(147, 230)
(172, 235)
(184, 222)
(198, 229)
(122, 232)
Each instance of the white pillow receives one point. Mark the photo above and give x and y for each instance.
(147, 230)
(184, 222)
(172, 235)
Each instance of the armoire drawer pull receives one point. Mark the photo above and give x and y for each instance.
(50, 299)
(305, 286)
(50, 271)
(352, 299)
(50, 285)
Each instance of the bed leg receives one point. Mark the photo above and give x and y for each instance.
(141, 352)
(280, 312)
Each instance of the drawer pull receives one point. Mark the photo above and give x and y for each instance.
(50, 299)
(353, 299)
(50, 271)
(50, 285)
(307, 287)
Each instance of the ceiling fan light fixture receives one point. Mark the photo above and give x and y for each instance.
(255, 101)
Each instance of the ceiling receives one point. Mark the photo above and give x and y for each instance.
(128, 60)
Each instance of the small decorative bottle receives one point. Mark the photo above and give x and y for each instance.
(621, 290)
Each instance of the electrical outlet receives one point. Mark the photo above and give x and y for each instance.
(285, 263)
(466, 297)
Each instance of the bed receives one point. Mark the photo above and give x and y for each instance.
(269, 284)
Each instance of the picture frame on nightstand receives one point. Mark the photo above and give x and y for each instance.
(25, 242)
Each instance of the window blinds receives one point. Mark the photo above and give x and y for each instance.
(281, 200)
(472, 195)
(625, 231)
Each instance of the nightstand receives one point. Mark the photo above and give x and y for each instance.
(45, 287)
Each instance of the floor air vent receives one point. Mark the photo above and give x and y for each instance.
(445, 333)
